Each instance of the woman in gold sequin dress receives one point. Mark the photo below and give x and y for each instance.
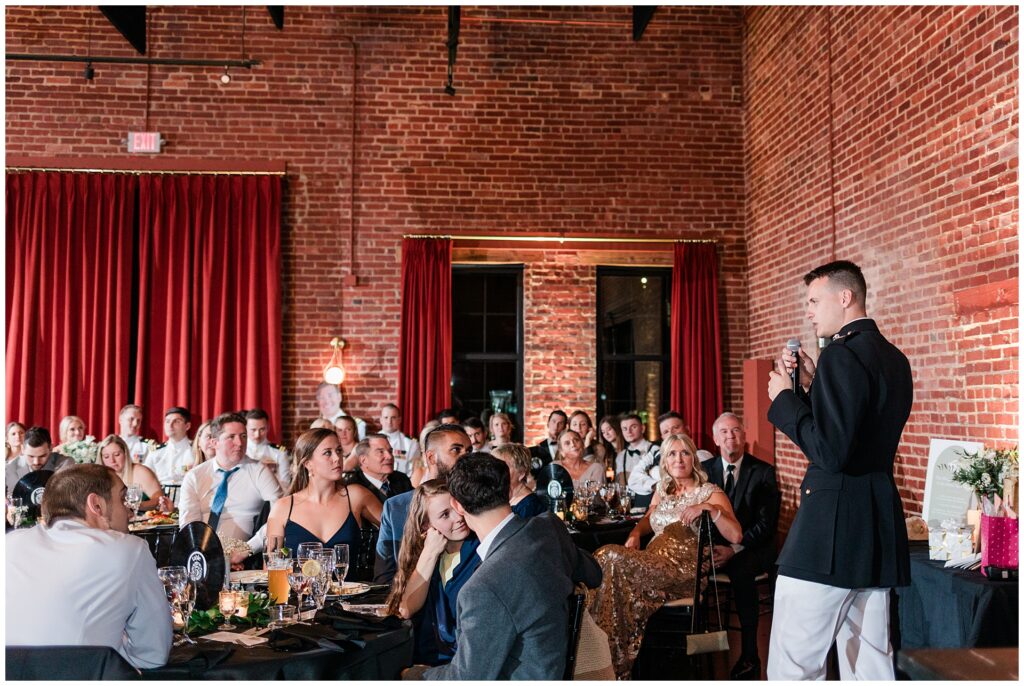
(638, 582)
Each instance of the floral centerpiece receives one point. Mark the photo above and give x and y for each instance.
(257, 614)
(83, 451)
(984, 473)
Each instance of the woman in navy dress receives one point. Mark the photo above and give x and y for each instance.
(320, 507)
(525, 503)
(436, 558)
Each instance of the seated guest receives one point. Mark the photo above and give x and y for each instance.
(753, 491)
(320, 423)
(403, 448)
(14, 439)
(501, 430)
(172, 459)
(525, 503)
(35, 455)
(203, 446)
(376, 470)
(477, 434)
(512, 614)
(328, 399)
(81, 579)
(129, 420)
(443, 447)
(637, 448)
(614, 444)
(320, 507)
(113, 453)
(646, 474)
(448, 415)
(544, 452)
(437, 557)
(257, 447)
(228, 491)
(70, 430)
(593, 448)
(348, 437)
(570, 456)
(419, 465)
(638, 582)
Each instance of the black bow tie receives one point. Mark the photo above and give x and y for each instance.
(632, 451)
(550, 442)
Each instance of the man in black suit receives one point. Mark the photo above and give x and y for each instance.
(754, 494)
(377, 468)
(848, 543)
(544, 452)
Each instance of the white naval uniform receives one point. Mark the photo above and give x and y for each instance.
(405, 450)
(278, 455)
(171, 460)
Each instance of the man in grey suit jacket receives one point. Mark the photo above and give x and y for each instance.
(512, 615)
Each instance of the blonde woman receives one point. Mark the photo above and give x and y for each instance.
(114, 453)
(637, 582)
(436, 558)
(14, 439)
(204, 447)
(501, 427)
(71, 429)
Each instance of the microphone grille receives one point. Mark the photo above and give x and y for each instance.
(793, 344)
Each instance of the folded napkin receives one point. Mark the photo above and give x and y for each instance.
(344, 620)
(297, 637)
(199, 658)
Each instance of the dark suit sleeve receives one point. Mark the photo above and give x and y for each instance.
(840, 395)
(766, 510)
(485, 636)
(385, 567)
(584, 567)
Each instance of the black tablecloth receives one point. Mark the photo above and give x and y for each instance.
(954, 608)
(592, 536)
(383, 657)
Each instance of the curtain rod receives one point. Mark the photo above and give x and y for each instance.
(562, 239)
(143, 171)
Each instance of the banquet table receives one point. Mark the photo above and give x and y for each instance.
(383, 657)
(955, 608)
(592, 535)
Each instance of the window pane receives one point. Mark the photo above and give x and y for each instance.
(629, 386)
(501, 333)
(468, 291)
(632, 313)
(501, 294)
(467, 333)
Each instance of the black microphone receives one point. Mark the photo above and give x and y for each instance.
(793, 345)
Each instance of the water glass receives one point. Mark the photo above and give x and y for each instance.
(341, 563)
(306, 551)
(322, 581)
(281, 615)
(17, 511)
(300, 584)
(133, 498)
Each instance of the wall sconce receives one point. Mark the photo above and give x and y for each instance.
(334, 372)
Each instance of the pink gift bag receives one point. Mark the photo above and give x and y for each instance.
(999, 542)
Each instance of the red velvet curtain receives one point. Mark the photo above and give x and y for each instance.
(209, 333)
(425, 348)
(696, 341)
(69, 268)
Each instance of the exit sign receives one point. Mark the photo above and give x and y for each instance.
(144, 141)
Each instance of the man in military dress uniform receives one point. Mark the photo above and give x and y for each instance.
(848, 543)
(257, 447)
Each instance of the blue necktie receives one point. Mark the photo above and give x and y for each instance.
(385, 488)
(220, 496)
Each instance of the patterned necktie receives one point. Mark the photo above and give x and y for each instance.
(385, 488)
(220, 497)
(730, 480)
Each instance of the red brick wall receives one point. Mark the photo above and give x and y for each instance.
(567, 126)
(925, 179)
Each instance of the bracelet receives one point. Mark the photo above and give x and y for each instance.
(716, 517)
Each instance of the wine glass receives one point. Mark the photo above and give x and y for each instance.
(626, 501)
(322, 581)
(187, 600)
(133, 498)
(16, 509)
(228, 604)
(341, 562)
(306, 551)
(175, 579)
(299, 582)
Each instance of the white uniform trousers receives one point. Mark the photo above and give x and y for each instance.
(809, 616)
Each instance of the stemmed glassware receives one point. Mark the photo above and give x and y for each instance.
(306, 551)
(17, 510)
(229, 607)
(322, 580)
(341, 563)
(300, 582)
(133, 498)
(180, 595)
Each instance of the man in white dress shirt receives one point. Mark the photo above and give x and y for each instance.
(404, 449)
(172, 459)
(82, 580)
(228, 491)
(328, 399)
(129, 420)
(639, 451)
(36, 454)
(257, 447)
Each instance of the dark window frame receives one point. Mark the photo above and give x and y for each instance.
(518, 356)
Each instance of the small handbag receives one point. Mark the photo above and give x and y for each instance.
(708, 641)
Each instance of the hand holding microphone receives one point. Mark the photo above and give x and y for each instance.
(793, 357)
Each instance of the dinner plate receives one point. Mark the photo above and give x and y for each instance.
(250, 576)
(349, 589)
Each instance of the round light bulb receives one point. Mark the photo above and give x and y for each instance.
(334, 375)
(225, 78)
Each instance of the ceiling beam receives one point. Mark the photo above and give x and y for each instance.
(130, 21)
(641, 18)
(277, 14)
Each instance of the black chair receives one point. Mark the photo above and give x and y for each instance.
(255, 561)
(172, 491)
(68, 663)
(577, 606)
(361, 568)
(663, 649)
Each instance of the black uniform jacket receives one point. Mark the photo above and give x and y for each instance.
(755, 501)
(849, 531)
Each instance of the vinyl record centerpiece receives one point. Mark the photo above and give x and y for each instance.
(554, 482)
(30, 489)
(197, 549)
